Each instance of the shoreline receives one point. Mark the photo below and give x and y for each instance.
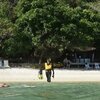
(23, 75)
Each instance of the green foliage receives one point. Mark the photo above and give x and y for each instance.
(6, 25)
(44, 25)
(56, 24)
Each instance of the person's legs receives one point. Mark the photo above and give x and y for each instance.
(48, 75)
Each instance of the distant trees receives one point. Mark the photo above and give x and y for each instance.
(6, 25)
(47, 27)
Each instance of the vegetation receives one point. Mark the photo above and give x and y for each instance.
(45, 28)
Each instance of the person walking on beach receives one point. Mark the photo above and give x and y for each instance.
(49, 70)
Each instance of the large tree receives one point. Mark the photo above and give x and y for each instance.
(54, 24)
(6, 25)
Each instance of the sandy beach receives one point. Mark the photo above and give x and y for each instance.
(61, 75)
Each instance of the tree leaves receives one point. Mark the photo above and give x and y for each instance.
(43, 24)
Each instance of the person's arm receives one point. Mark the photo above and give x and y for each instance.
(41, 68)
(53, 71)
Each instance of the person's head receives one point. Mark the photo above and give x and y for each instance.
(48, 60)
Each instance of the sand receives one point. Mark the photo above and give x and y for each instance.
(61, 75)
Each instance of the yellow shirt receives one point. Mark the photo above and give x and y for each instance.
(48, 67)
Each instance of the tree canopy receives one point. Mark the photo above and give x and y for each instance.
(48, 25)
